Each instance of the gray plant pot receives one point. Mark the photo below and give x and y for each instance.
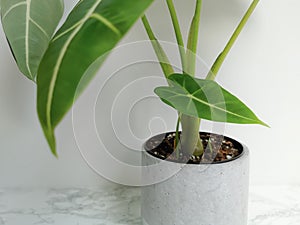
(214, 194)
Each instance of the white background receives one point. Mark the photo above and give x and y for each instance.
(262, 69)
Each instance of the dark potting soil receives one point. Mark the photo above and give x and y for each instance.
(218, 149)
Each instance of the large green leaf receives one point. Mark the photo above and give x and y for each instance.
(29, 26)
(93, 28)
(205, 99)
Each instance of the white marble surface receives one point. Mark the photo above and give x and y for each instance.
(269, 205)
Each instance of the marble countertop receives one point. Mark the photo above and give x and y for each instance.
(269, 205)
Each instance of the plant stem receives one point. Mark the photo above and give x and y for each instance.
(190, 135)
(177, 140)
(191, 142)
(193, 39)
(160, 53)
(164, 63)
(178, 33)
(219, 61)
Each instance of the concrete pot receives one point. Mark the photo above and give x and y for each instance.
(193, 194)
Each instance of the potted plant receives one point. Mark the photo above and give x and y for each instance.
(212, 187)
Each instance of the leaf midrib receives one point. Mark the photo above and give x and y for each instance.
(28, 7)
(59, 61)
(189, 96)
(27, 27)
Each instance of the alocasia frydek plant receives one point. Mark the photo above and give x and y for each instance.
(57, 62)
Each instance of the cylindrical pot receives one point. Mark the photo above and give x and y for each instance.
(195, 194)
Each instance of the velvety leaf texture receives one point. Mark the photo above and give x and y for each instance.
(29, 26)
(205, 99)
(93, 28)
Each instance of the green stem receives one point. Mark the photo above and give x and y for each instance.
(178, 33)
(177, 136)
(164, 63)
(193, 39)
(190, 135)
(219, 61)
(160, 53)
(191, 142)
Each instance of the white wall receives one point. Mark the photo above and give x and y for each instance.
(262, 70)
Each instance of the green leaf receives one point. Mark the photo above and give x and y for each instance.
(29, 26)
(93, 28)
(205, 99)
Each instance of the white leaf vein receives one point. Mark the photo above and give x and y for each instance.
(59, 61)
(15, 6)
(40, 28)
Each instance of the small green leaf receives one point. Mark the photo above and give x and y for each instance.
(29, 26)
(93, 28)
(205, 99)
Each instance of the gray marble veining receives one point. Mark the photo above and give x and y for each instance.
(70, 206)
(269, 205)
(277, 205)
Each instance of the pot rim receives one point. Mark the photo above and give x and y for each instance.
(241, 147)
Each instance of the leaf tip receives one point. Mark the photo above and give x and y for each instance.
(264, 124)
(158, 91)
(52, 145)
(49, 134)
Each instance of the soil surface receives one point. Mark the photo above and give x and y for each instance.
(218, 149)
